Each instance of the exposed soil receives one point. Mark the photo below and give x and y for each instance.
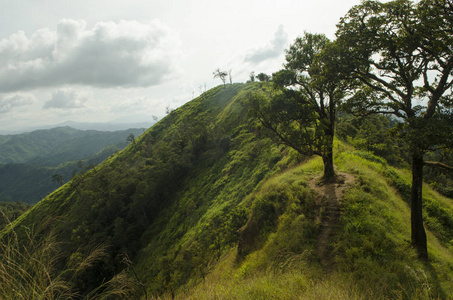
(330, 208)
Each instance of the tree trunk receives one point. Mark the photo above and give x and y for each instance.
(417, 229)
(327, 159)
(329, 172)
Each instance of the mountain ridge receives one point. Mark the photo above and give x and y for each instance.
(29, 161)
(117, 125)
(204, 205)
(23, 148)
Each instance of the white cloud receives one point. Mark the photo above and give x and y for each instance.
(273, 50)
(66, 98)
(9, 101)
(126, 53)
(132, 104)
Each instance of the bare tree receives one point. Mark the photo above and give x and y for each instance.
(252, 76)
(58, 178)
(168, 109)
(222, 75)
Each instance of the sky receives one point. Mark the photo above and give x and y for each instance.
(128, 60)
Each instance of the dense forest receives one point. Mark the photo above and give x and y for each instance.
(330, 179)
(34, 164)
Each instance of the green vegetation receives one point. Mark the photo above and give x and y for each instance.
(31, 160)
(28, 271)
(396, 50)
(205, 205)
(52, 147)
(371, 253)
(10, 211)
(302, 113)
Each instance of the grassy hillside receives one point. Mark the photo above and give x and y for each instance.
(367, 256)
(205, 206)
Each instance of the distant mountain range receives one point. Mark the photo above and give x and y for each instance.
(29, 160)
(110, 126)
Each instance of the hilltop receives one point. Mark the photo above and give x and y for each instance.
(204, 205)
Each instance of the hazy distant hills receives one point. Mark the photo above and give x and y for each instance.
(29, 160)
(51, 147)
(109, 126)
(113, 126)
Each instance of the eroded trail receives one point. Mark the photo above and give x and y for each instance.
(329, 202)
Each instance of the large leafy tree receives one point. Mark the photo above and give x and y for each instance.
(301, 114)
(402, 53)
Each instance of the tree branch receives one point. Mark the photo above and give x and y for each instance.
(438, 164)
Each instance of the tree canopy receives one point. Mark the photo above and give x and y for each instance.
(402, 55)
(302, 113)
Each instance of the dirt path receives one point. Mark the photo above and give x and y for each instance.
(329, 202)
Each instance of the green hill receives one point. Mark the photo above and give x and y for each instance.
(30, 183)
(205, 206)
(51, 147)
(29, 160)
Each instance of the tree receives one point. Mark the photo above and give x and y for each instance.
(401, 53)
(168, 109)
(263, 77)
(252, 76)
(302, 113)
(230, 76)
(222, 75)
(131, 138)
(58, 179)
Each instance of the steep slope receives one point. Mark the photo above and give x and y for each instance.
(131, 192)
(204, 206)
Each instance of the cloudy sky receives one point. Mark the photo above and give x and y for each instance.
(126, 60)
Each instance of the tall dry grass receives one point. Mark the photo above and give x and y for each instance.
(28, 270)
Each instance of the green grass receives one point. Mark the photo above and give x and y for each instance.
(207, 207)
(371, 248)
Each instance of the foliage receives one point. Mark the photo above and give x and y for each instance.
(29, 270)
(371, 253)
(132, 192)
(439, 178)
(302, 113)
(10, 211)
(192, 233)
(375, 133)
(52, 147)
(264, 77)
(49, 153)
(206, 206)
(399, 52)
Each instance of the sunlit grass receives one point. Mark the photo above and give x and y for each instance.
(373, 256)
